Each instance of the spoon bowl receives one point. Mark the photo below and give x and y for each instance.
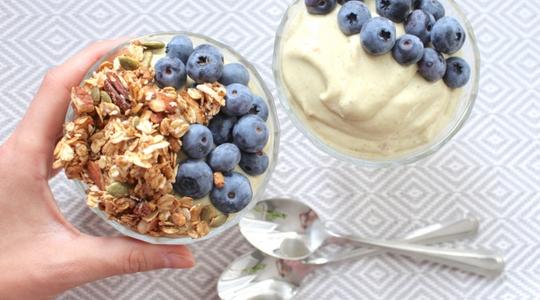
(284, 229)
(258, 276)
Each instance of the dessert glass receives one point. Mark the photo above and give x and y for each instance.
(258, 183)
(469, 52)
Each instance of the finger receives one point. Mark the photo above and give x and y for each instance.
(46, 114)
(102, 257)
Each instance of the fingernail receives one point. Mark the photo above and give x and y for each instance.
(177, 261)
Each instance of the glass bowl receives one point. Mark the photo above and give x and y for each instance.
(469, 52)
(259, 183)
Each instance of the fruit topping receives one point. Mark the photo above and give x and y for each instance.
(352, 16)
(458, 72)
(378, 36)
(408, 50)
(432, 66)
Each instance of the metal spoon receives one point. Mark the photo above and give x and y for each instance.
(432, 234)
(290, 230)
(259, 276)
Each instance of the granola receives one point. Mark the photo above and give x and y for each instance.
(124, 140)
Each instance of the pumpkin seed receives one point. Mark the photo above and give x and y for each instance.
(208, 213)
(218, 220)
(153, 45)
(105, 97)
(128, 63)
(118, 189)
(95, 95)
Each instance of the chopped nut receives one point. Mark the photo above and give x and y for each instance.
(120, 96)
(94, 172)
(82, 100)
(142, 209)
(219, 180)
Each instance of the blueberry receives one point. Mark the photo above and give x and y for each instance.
(352, 15)
(210, 48)
(238, 100)
(170, 71)
(345, 1)
(221, 127)
(447, 35)
(420, 23)
(259, 108)
(224, 158)
(234, 196)
(197, 142)
(235, 73)
(395, 10)
(378, 36)
(254, 164)
(180, 47)
(320, 7)
(432, 66)
(250, 134)
(204, 65)
(408, 50)
(433, 7)
(458, 72)
(194, 179)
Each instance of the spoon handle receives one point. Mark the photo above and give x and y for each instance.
(445, 232)
(478, 262)
(432, 234)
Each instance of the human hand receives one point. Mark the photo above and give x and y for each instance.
(41, 253)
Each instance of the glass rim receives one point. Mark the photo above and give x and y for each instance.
(257, 195)
(404, 159)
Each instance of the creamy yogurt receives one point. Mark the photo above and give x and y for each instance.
(362, 105)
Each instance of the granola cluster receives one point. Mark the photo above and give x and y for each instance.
(124, 140)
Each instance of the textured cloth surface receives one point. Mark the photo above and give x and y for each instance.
(491, 169)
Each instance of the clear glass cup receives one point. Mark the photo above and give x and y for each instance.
(469, 52)
(259, 183)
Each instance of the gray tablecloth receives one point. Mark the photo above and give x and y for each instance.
(491, 169)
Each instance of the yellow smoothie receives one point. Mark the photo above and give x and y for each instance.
(362, 105)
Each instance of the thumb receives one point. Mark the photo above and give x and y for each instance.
(103, 257)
